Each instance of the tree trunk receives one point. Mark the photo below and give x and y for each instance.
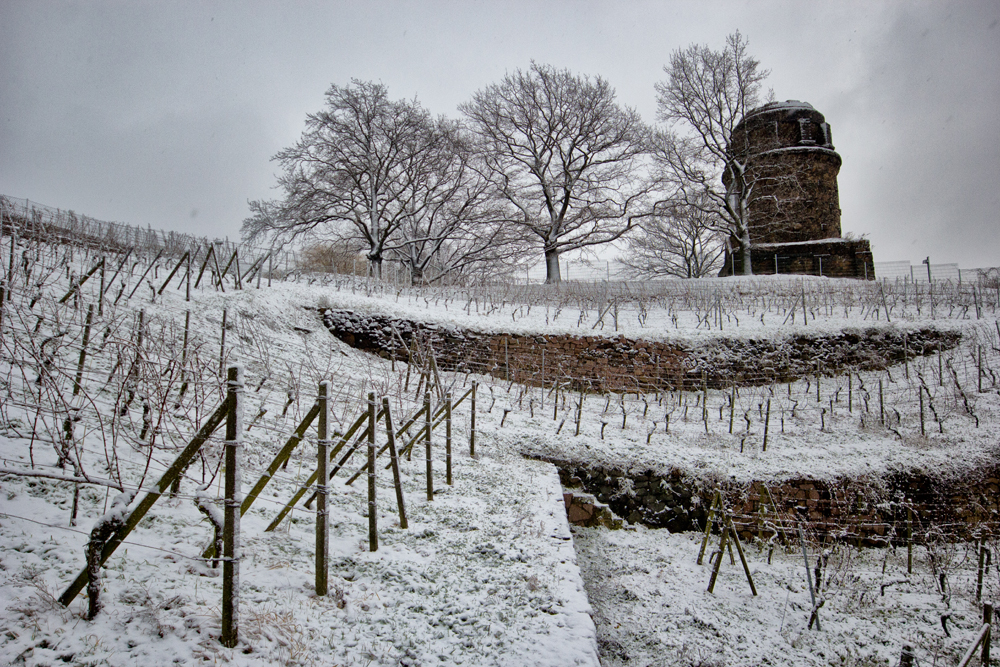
(375, 266)
(416, 275)
(745, 252)
(552, 267)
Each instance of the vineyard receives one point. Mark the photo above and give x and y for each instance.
(396, 485)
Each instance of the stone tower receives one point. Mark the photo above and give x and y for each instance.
(795, 205)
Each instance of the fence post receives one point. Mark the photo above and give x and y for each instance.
(906, 657)
(231, 530)
(322, 489)
(427, 442)
(372, 506)
(472, 421)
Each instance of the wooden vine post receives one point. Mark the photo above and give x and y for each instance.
(77, 383)
(394, 463)
(231, 529)
(372, 505)
(322, 490)
(472, 421)
(427, 442)
(447, 438)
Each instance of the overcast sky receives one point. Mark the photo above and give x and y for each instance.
(167, 113)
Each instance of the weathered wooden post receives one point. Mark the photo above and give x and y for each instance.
(427, 442)
(222, 344)
(372, 505)
(472, 421)
(231, 530)
(447, 438)
(812, 589)
(984, 563)
(394, 462)
(77, 383)
(322, 489)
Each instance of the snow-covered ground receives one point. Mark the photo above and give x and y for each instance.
(486, 573)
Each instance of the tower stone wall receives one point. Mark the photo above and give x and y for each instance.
(794, 207)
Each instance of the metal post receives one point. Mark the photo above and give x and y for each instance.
(322, 490)
(231, 529)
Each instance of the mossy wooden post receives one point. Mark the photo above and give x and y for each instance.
(77, 383)
(716, 505)
(322, 489)
(472, 421)
(447, 439)
(394, 463)
(231, 530)
(427, 443)
(718, 561)
(372, 506)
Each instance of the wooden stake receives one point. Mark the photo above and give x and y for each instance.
(718, 561)
(743, 558)
(472, 421)
(372, 506)
(222, 344)
(322, 489)
(716, 506)
(427, 442)
(767, 424)
(447, 438)
(231, 531)
(393, 461)
(812, 590)
(83, 351)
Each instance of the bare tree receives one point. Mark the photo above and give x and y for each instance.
(563, 156)
(349, 167)
(451, 223)
(705, 96)
(680, 241)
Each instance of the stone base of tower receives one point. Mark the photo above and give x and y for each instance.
(834, 258)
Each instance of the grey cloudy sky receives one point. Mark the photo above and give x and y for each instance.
(167, 113)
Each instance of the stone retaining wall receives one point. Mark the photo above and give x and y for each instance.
(599, 364)
(868, 510)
